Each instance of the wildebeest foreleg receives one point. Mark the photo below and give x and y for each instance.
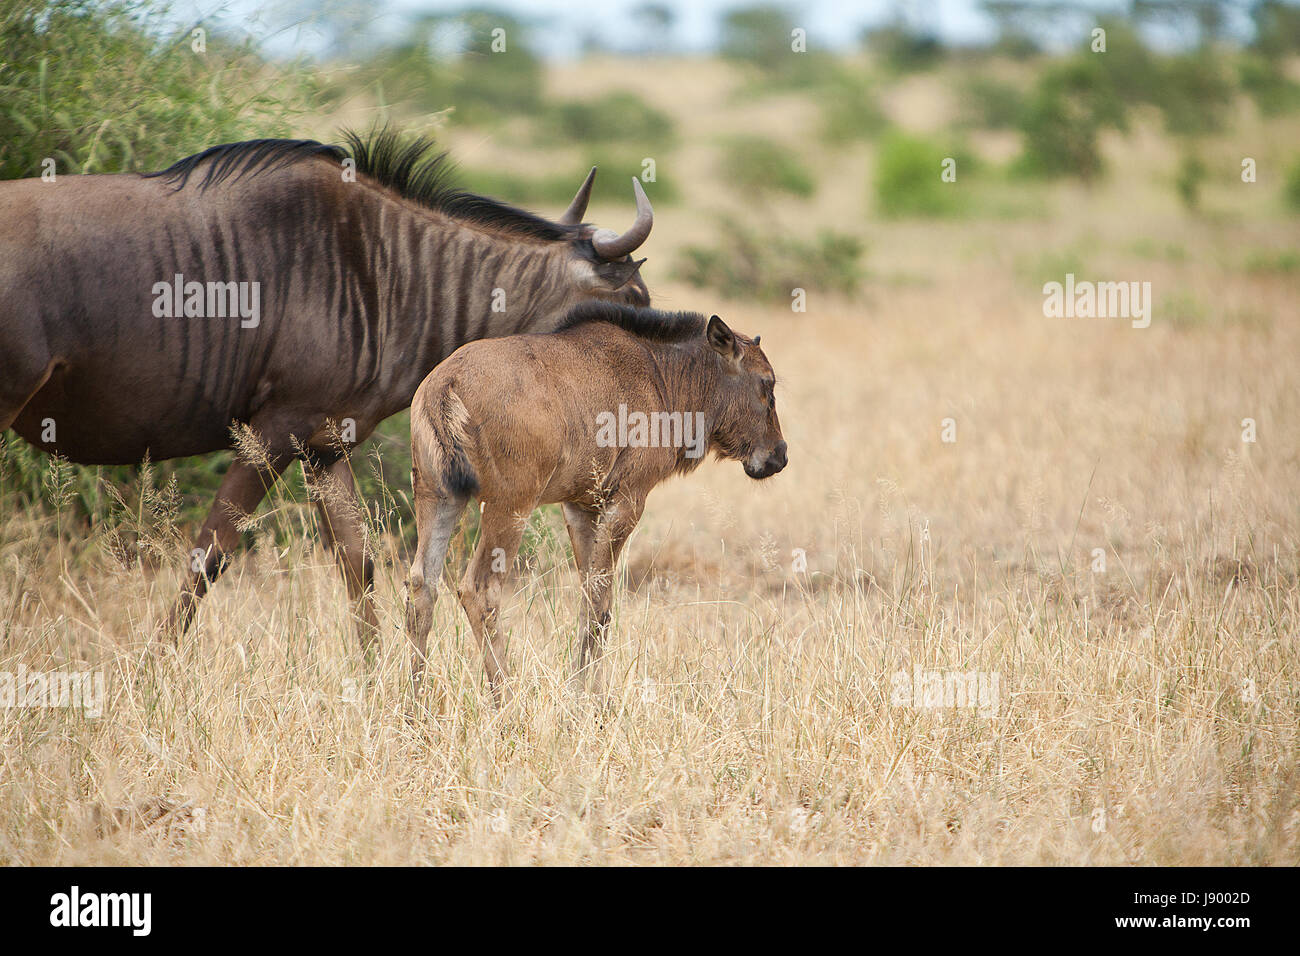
(581, 525)
(344, 532)
(241, 491)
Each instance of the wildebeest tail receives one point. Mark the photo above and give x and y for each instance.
(446, 465)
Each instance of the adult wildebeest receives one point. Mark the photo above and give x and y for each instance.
(281, 284)
(567, 436)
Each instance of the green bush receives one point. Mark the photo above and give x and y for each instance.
(1191, 173)
(613, 183)
(114, 87)
(760, 37)
(619, 117)
(1266, 82)
(849, 107)
(903, 49)
(755, 165)
(1291, 190)
(479, 85)
(1070, 105)
(1277, 27)
(1130, 72)
(991, 104)
(746, 265)
(907, 180)
(1196, 92)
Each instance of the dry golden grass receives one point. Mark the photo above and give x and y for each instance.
(1148, 713)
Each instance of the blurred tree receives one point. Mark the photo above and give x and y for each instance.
(1291, 189)
(1071, 103)
(655, 22)
(1277, 27)
(344, 26)
(1205, 21)
(476, 61)
(903, 47)
(1020, 23)
(755, 167)
(762, 36)
(758, 35)
(1191, 173)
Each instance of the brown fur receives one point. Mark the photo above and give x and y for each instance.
(515, 421)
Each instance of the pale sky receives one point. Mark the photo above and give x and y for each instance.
(559, 26)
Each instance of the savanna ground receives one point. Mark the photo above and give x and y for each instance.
(1098, 535)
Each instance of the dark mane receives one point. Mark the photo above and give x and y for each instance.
(247, 158)
(647, 323)
(410, 168)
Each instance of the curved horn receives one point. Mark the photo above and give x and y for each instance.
(578, 208)
(610, 245)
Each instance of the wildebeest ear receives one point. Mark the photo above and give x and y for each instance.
(619, 273)
(722, 338)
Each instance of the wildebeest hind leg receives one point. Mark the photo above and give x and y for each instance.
(501, 530)
(241, 491)
(343, 529)
(435, 521)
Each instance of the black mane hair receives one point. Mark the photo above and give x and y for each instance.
(250, 157)
(649, 324)
(408, 167)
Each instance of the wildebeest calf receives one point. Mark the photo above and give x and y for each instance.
(592, 417)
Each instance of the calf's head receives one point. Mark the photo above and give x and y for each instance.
(746, 428)
(602, 265)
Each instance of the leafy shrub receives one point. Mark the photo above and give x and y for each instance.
(991, 104)
(1277, 27)
(1191, 173)
(760, 37)
(1128, 68)
(753, 164)
(480, 86)
(746, 265)
(904, 49)
(113, 87)
(618, 117)
(1195, 93)
(612, 186)
(1071, 103)
(1266, 82)
(1264, 261)
(907, 180)
(849, 107)
(1291, 191)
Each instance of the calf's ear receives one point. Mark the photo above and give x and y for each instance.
(722, 339)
